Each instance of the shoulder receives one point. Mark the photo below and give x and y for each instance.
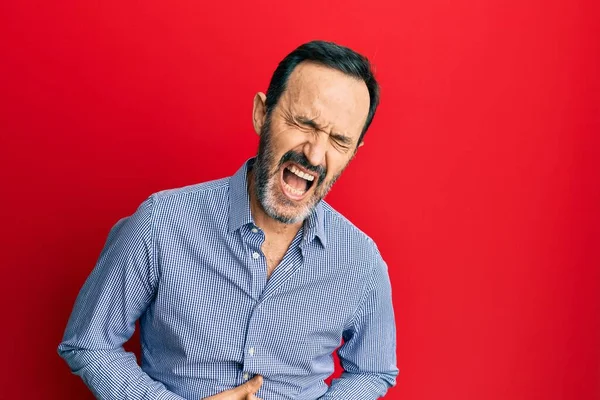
(213, 187)
(213, 190)
(199, 199)
(342, 232)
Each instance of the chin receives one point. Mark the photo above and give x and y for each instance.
(286, 213)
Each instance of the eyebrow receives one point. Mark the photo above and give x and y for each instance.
(313, 124)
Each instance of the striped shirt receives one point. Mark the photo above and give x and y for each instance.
(188, 265)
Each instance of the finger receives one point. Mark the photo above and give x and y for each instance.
(250, 387)
(252, 397)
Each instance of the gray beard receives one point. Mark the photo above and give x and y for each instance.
(265, 193)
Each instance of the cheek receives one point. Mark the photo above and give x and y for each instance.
(336, 163)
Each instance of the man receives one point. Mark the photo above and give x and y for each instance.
(245, 286)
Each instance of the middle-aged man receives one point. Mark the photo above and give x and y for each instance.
(244, 287)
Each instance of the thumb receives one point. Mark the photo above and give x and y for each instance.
(250, 387)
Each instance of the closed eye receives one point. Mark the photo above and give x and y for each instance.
(342, 142)
(307, 123)
(341, 139)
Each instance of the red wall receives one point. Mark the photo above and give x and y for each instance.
(479, 179)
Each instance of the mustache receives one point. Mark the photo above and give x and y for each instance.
(300, 159)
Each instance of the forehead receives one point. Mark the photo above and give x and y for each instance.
(335, 101)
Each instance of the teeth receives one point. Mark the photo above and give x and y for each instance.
(293, 190)
(301, 174)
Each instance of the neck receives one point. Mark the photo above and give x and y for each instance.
(268, 224)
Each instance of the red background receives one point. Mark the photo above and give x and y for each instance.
(479, 179)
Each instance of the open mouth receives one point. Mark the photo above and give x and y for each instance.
(296, 181)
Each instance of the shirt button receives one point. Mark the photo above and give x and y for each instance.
(255, 255)
(251, 351)
(254, 230)
(246, 376)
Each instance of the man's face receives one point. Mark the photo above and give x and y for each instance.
(308, 140)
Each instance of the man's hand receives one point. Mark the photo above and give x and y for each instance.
(245, 391)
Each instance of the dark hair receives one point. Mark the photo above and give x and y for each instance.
(331, 55)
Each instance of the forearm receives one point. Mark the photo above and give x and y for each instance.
(360, 386)
(113, 374)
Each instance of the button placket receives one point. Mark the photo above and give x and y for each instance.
(253, 338)
(254, 259)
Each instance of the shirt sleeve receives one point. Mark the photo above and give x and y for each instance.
(116, 293)
(368, 355)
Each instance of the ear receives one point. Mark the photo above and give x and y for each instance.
(259, 111)
(362, 142)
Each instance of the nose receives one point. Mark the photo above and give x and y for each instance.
(315, 148)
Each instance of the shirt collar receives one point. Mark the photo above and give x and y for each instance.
(240, 214)
(314, 225)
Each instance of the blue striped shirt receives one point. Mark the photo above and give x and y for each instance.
(188, 264)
